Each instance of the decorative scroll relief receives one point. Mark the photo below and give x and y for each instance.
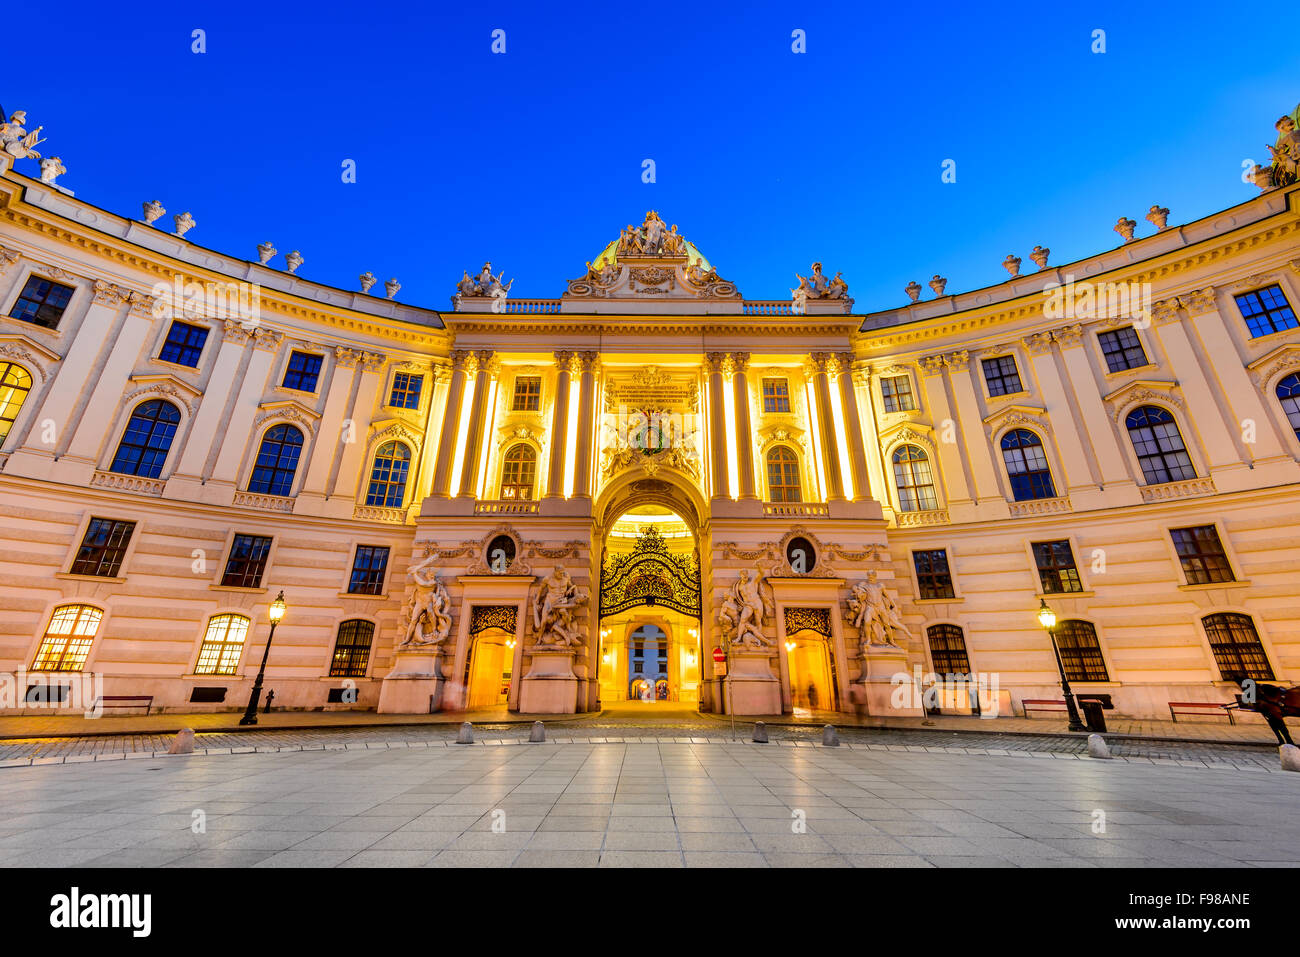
(808, 619)
(483, 617)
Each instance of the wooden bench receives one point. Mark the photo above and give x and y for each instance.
(1042, 704)
(126, 701)
(1211, 708)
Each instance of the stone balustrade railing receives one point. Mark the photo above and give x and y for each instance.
(796, 509)
(128, 483)
(505, 508)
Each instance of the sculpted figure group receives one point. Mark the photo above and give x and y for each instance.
(875, 613)
(554, 607)
(1285, 151)
(484, 284)
(428, 611)
(742, 611)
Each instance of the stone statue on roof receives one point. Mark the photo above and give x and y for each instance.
(16, 141)
(1285, 151)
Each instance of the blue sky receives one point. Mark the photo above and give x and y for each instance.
(766, 159)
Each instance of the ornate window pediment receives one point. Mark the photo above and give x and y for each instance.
(1014, 415)
(287, 410)
(389, 430)
(30, 353)
(164, 386)
(1277, 361)
(1139, 391)
(909, 433)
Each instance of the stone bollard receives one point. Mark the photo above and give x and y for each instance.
(1097, 747)
(183, 743)
(830, 737)
(538, 733)
(760, 733)
(1290, 757)
(466, 735)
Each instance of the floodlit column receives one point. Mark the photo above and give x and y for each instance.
(952, 472)
(853, 428)
(1074, 459)
(332, 434)
(353, 471)
(1203, 410)
(589, 363)
(1098, 428)
(559, 426)
(744, 431)
(879, 475)
(718, 425)
(820, 367)
(970, 422)
(460, 362)
(111, 383)
(477, 413)
(237, 428)
(208, 425)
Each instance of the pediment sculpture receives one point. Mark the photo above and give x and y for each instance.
(817, 286)
(483, 285)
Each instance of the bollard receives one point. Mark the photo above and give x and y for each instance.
(466, 735)
(1097, 747)
(183, 743)
(538, 733)
(1290, 757)
(760, 733)
(830, 737)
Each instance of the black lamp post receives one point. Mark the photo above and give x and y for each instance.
(275, 613)
(1047, 618)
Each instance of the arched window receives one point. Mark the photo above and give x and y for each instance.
(15, 383)
(1159, 445)
(352, 648)
(388, 476)
(277, 461)
(1237, 649)
(783, 475)
(67, 640)
(222, 645)
(1288, 393)
(147, 439)
(519, 472)
(1022, 451)
(948, 650)
(914, 479)
(1080, 650)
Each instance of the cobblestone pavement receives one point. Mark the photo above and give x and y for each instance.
(663, 802)
(618, 728)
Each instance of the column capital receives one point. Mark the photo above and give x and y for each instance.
(564, 360)
(1068, 336)
(463, 360)
(719, 363)
(372, 361)
(957, 361)
(1198, 301)
(235, 332)
(932, 365)
(739, 362)
(346, 358)
(1038, 343)
(588, 361)
(264, 338)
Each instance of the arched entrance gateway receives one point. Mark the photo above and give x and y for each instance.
(635, 480)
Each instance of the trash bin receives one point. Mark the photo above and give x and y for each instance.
(1092, 714)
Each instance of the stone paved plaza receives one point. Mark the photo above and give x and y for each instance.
(667, 802)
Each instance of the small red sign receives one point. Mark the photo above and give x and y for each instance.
(719, 655)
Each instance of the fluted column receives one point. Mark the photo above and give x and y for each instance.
(589, 363)
(822, 363)
(463, 364)
(744, 430)
(559, 426)
(474, 437)
(853, 430)
(718, 361)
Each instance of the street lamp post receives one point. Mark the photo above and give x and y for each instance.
(1047, 618)
(275, 613)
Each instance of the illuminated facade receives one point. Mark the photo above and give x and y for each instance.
(170, 462)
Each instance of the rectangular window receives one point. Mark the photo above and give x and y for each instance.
(1266, 311)
(247, 561)
(184, 344)
(1201, 554)
(1237, 649)
(302, 372)
(776, 395)
(1122, 349)
(352, 649)
(368, 568)
(102, 548)
(42, 302)
(896, 391)
(406, 391)
(1056, 568)
(1080, 651)
(1001, 375)
(932, 574)
(528, 394)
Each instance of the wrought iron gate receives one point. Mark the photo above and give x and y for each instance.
(650, 575)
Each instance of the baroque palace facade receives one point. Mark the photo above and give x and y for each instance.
(548, 505)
